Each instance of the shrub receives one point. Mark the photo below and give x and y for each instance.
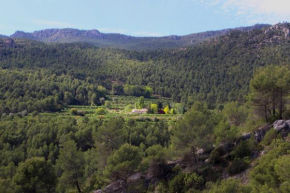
(115, 99)
(177, 183)
(185, 181)
(74, 111)
(81, 112)
(108, 104)
(238, 166)
(102, 100)
(269, 137)
(172, 111)
(101, 111)
(244, 149)
(128, 108)
(154, 108)
(216, 156)
(161, 188)
(24, 113)
(34, 113)
(226, 186)
(166, 110)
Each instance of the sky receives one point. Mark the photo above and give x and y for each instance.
(139, 17)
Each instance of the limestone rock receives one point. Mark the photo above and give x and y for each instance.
(282, 127)
(135, 177)
(261, 132)
(115, 187)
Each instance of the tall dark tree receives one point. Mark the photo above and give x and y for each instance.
(71, 162)
(35, 175)
(269, 90)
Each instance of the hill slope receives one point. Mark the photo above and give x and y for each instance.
(216, 71)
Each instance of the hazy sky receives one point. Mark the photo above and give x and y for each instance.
(139, 17)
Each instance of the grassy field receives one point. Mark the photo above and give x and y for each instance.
(118, 104)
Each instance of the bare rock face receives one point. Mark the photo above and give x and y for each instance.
(282, 127)
(261, 132)
(52, 35)
(98, 191)
(286, 32)
(116, 187)
(174, 37)
(135, 177)
(258, 135)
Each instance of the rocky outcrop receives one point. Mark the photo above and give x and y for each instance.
(282, 127)
(156, 172)
(7, 43)
(116, 187)
(282, 27)
(244, 137)
(261, 132)
(98, 191)
(164, 171)
(51, 35)
(173, 37)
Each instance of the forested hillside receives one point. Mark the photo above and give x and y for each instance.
(207, 118)
(215, 71)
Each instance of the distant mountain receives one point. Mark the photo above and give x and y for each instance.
(121, 41)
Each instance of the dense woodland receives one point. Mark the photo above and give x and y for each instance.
(215, 72)
(233, 87)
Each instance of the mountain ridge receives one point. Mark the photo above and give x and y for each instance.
(121, 41)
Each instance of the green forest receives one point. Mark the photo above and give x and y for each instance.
(75, 118)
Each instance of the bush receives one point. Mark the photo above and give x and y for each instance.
(172, 111)
(226, 186)
(216, 156)
(161, 188)
(24, 113)
(74, 111)
(102, 100)
(115, 99)
(269, 137)
(238, 166)
(108, 104)
(81, 112)
(244, 149)
(123, 162)
(101, 111)
(128, 108)
(177, 183)
(185, 181)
